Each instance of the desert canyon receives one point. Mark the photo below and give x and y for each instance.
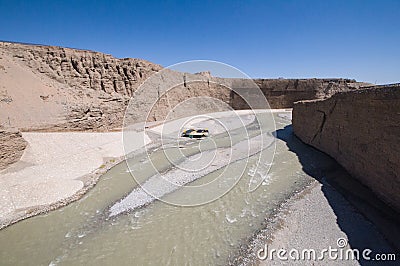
(58, 100)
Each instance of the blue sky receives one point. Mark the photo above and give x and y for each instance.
(269, 39)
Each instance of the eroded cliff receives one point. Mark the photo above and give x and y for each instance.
(80, 90)
(360, 129)
(12, 146)
(54, 88)
(282, 93)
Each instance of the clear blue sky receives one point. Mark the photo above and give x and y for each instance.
(291, 39)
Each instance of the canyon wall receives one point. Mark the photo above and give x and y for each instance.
(66, 89)
(82, 69)
(12, 146)
(360, 129)
(55, 89)
(282, 93)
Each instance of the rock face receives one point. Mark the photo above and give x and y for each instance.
(282, 93)
(82, 69)
(361, 130)
(56, 89)
(90, 89)
(12, 146)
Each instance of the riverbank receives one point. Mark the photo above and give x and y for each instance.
(316, 218)
(335, 206)
(58, 168)
(55, 169)
(317, 212)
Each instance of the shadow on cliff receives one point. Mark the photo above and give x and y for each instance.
(340, 189)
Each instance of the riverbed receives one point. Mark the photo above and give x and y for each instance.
(162, 231)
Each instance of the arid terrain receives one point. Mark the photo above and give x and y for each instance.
(62, 111)
(54, 88)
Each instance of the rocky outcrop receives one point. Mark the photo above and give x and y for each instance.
(12, 146)
(90, 89)
(282, 93)
(361, 130)
(82, 69)
(86, 90)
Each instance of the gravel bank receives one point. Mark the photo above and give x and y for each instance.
(315, 219)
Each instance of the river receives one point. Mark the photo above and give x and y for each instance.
(158, 232)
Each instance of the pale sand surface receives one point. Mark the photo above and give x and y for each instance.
(211, 121)
(57, 168)
(54, 167)
(315, 219)
(25, 106)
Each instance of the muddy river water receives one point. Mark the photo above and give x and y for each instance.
(109, 226)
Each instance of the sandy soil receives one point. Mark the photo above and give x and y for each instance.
(26, 98)
(315, 219)
(55, 169)
(58, 168)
